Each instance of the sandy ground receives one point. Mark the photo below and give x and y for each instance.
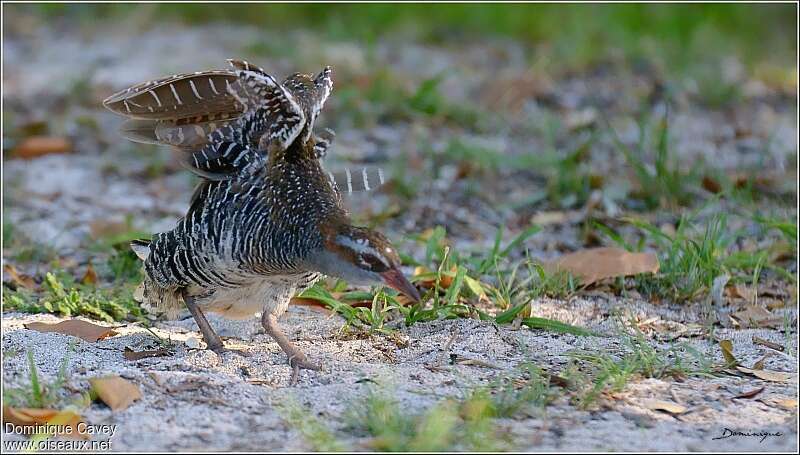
(194, 401)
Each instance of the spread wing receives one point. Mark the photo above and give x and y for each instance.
(182, 98)
(271, 106)
(221, 120)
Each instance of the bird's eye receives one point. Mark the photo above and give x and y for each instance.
(373, 263)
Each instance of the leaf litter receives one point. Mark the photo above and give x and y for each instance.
(116, 392)
(593, 265)
(75, 327)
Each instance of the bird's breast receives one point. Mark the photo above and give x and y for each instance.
(266, 294)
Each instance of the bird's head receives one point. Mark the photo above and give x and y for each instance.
(360, 256)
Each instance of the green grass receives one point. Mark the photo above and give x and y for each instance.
(38, 393)
(311, 428)
(378, 421)
(787, 227)
(448, 425)
(609, 373)
(60, 294)
(109, 299)
(696, 253)
(578, 34)
(511, 397)
(24, 249)
(471, 278)
(659, 179)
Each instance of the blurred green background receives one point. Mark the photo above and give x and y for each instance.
(672, 36)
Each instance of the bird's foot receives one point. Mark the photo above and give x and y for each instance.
(298, 360)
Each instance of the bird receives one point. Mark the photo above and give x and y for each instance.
(266, 221)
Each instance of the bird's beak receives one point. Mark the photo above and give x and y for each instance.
(395, 279)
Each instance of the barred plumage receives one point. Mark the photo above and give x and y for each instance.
(246, 228)
(266, 220)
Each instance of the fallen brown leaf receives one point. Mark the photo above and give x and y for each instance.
(787, 403)
(428, 277)
(759, 365)
(17, 278)
(768, 375)
(741, 291)
(558, 381)
(116, 392)
(36, 146)
(548, 218)
(756, 316)
(476, 363)
(711, 184)
(74, 327)
(727, 352)
(596, 264)
(90, 277)
(666, 406)
(103, 227)
(66, 422)
(767, 343)
(776, 304)
(749, 394)
(130, 354)
(192, 383)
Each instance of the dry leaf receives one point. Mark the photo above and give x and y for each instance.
(558, 381)
(749, 394)
(756, 316)
(786, 403)
(711, 185)
(75, 327)
(116, 392)
(36, 146)
(727, 352)
(767, 343)
(666, 406)
(548, 218)
(477, 363)
(35, 417)
(130, 354)
(776, 304)
(90, 277)
(192, 383)
(742, 291)
(768, 375)
(595, 264)
(429, 280)
(103, 227)
(17, 278)
(759, 365)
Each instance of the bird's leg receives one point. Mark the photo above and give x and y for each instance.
(297, 359)
(213, 341)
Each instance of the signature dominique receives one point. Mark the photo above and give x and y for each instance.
(728, 433)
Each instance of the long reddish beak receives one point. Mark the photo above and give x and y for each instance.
(395, 279)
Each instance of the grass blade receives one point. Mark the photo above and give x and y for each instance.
(557, 326)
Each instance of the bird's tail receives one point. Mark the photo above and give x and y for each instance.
(156, 300)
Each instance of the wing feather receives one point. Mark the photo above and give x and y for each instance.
(179, 97)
